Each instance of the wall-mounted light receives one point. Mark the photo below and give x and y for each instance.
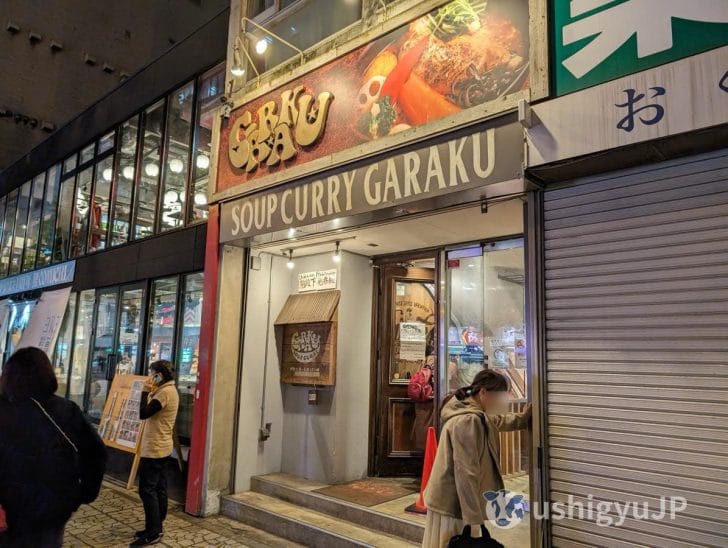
(337, 253)
(290, 264)
(176, 165)
(261, 46)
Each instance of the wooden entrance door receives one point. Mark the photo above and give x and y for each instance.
(404, 339)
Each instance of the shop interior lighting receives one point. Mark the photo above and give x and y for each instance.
(151, 169)
(290, 264)
(176, 165)
(203, 161)
(128, 172)
(262, 45)
(337, 253)
(201, 199)
(106, 174)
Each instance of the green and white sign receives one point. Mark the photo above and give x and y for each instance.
(599, 40)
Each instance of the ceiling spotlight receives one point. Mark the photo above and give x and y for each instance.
(106, 174)
(151, 169)
(128, 172)
(337, 253)
(203, 161)
(261, 46)
(176, 165)
(290, 264)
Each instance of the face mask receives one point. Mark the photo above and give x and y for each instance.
(157, 379)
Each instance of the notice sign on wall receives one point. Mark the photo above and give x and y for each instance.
(317, 281)
(412, 341)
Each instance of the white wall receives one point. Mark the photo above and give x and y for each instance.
(325, 442)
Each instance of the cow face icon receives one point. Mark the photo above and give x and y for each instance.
(504, 509)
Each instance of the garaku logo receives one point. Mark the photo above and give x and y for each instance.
(270, 137)
(504, 509)
(305, 346)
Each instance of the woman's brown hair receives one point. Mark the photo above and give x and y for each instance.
(28, 373)
(487, 379)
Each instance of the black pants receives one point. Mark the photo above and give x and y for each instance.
(51, 538)
(153, 492)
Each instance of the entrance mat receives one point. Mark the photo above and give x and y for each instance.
(369, 492)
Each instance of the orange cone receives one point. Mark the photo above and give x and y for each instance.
(419, 507)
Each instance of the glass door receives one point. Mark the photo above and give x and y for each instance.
(162, 320)
(131, 320)
(103, 351)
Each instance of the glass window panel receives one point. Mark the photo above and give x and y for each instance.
(106, 142)
(48, 223)
(99, 217)
(130, 331)
(81, 346)
(146, 196)
(256, 7)
(3, 201)
(413, 328)
(124, 181)
(188, 350)
(87, 154)
(160, 345)
(63, 220)
(8, 229)
(211, 87)
(20, 312)
(69, 164)
(21, 226)
(34, 218)
(79, 233)
(62, 354)
(103, 356)
(178, 137)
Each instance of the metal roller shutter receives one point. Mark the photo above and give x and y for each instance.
(636, 272)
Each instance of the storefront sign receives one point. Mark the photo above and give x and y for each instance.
(412, 341)
(45, 321)
(460, 56)
(317, 281)
(471, 161)
(638, 108)
(45, 277)
(598, 41)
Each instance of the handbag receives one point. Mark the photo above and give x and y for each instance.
(464, 540)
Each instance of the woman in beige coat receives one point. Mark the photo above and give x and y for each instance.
(466, 465)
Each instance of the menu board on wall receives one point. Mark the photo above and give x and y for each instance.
(120, 425)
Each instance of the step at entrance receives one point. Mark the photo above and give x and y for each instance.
(290, 508)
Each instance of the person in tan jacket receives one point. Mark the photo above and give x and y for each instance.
(158, 407)
(466, 465)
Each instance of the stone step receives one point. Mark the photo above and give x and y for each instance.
(303, 525)
(300, 492)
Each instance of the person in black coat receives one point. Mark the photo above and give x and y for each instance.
(51, 458)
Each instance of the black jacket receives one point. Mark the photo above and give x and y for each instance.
(42, 479)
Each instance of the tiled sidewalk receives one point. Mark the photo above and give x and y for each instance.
(116, 514)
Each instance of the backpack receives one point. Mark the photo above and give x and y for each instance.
(421, 387)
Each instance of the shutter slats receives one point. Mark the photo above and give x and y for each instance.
(636, 291)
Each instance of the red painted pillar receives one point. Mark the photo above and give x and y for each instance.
(196, 461)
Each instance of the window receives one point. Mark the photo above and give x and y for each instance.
(125, 176)
(81, 346)
(62, 354)
(176, 166)
(306, 26)
(106, 142)
(34, 220)
(130, 330)
(87, 154)
(69, 164)
(8, 229)
(79, 232)
(99, 217)
(211, 87)
(103, 357)
(48, 223)
(188, 349)
(147, 188)
(160, 343)
(3, 201)
(21, 226)
(63, 220)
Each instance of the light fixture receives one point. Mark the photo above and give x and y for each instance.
(291, 232)
(200, 199)
(203, 161)
(106, 174)
(170, 197)
(337, 253)
(237, 69)
(176, 165)
(261, 46)
(151, 169)
(128, 172)
(290, 264)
